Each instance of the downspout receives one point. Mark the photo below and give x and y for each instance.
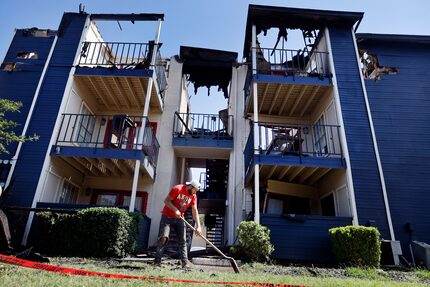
(256, 139)
(375, 143)
(342, 132)
(14, 159)
(56, 130)
(144, 119)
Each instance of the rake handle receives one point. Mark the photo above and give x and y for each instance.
(205, 239)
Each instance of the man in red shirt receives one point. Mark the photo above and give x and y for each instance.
(176, 203)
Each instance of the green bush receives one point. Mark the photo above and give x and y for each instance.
(94, 232)
(356, 245)
(254, 242)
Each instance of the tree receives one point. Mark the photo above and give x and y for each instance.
(7, 133)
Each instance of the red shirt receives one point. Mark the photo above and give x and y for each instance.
(181, 199)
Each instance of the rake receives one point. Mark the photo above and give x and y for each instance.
(231, 259)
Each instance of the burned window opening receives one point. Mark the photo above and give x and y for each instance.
(370, 67)
(27, 55)
(9, 67)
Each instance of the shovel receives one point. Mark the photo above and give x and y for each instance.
(231, 259)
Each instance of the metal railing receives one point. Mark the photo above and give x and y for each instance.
(295, 140)
(115, 54)
(202, 126)
(160, 71)
(108, 131)
(292, 62)
(130, 56)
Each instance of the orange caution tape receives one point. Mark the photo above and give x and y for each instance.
(71, 271)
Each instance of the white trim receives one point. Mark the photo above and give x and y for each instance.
(55, 131)
(342, 132)
(256, 138)
(14, 159)
(375, 143)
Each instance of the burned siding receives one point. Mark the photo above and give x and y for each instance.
(400, 106)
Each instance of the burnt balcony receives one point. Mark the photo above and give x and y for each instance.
(289, 82)
(203, 135)
(287, 150)
(100, 143)
(117, 74)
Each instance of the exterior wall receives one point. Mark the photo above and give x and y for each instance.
(32, 157)
(365, 175)
(167, 171)
(21, 85)
(58, 171)
(236, 178)
(303, 238)
(400, 106)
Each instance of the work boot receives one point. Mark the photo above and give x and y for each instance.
(157, 263)
(186, 264)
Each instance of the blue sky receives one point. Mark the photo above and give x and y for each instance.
(216, 24)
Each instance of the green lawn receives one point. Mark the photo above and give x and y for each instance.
(19, 276)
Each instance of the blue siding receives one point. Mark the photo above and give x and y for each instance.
(367, 184)
(304, 238)
(21, 85)
(400, 106)
(29, 165)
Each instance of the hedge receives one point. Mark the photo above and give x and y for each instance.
(356, 245)
(92, 232)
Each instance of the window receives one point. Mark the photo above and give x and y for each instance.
(119, 198)
(320, 137)
(85, 126)
(68, 192)
(27, 55)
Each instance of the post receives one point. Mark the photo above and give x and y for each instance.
(145, 118)
(256, 134)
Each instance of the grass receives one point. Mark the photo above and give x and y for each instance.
(423, 273)
(18, 276)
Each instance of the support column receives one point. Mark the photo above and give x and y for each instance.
(145, 118)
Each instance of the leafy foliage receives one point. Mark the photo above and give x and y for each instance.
(356, 245)
(254, 242)
(7, 134)
(95, 232)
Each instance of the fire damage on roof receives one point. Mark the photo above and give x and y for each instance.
(207, 67)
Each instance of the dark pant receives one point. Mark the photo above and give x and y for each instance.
(179, 226)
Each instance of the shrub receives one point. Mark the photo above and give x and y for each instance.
(356, 245)
(95, 232)
(254, 242)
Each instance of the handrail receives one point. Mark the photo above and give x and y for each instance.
(298, 140)
(197, 125)
(109, 132)
(115, 54)
(288, 61)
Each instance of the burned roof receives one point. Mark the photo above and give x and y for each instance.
(208, 67)
(266, 17)
(128, 17)
(414, 39)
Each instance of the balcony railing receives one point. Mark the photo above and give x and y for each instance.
(292, 62)
(202, 126)
(115, 54)
(130, 56)
(110, 132)
(295, 140)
